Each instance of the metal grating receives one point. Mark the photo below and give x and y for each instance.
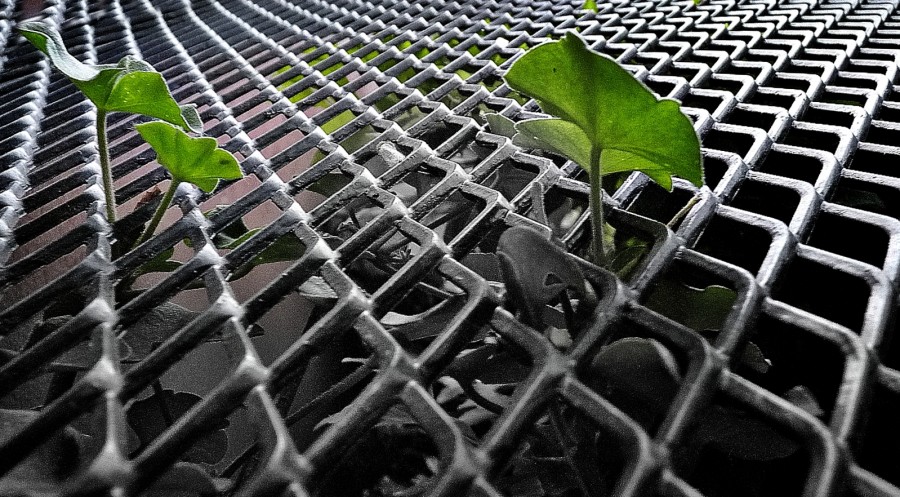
(797, 109)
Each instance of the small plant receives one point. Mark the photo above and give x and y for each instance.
(604, 120)
(188, 159)
(133, 86)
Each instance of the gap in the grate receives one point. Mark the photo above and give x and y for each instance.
(322, 189)
(56, 196)
(396, 456)
(358, 139)
(769, 119)
(479, 382)
(47, 273)
(439, 133)
(842, 235)
(284, 323)
(729, 141)
(814, 139)
(773, 100)
(58, 227)
(563, 208)
(824, 291)
(793, 165)
(265, 264)
(640, 370)
(52, 464)
(694, 297)
(565, 452)
(231, 193)
(469, 151)
(877, 160)
(414, 184)
(280, 144)
(423, 314)
(796, 364)
(148, 418)
(53, 377)
(350, 219)
(659, 204)
(884, 133)
(734, 451)
(232, 87)
(738, 243)
(768, 199)
(211, 360)
(333, 374)
(714, 170)
(889, 111)
(454, 214)
(257, 109)
(880, 198)
(880, 437)
(834, 96)
(829, 116)
(511, 177)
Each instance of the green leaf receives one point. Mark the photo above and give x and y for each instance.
(159, 264)
(146, 93)
(501, 125)
(613, 111)
(131, 85)
(47, 40)
(555, 135)
(698, 309)
(592, 5)
(194, 160)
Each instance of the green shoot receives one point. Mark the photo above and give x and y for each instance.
(188, 159)
(605, 120)
(130, 86)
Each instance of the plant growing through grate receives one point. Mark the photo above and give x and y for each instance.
(378, 312)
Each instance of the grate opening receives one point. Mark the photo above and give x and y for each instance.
(811, 286)
(750, 456)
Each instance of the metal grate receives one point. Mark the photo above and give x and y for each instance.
(797, 109)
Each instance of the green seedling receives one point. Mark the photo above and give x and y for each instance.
(605, 120)
(188, 159)
(131, 86)
(590, 5)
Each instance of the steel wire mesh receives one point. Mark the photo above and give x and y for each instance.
(795, 104)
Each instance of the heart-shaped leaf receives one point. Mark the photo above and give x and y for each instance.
(194, 160)
(598, 105)
(130, 86)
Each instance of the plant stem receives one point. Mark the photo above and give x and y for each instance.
(158, 215)
(597, 223)
(683, 211)
(108, 189)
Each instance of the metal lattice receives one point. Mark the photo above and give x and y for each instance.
(795, 105)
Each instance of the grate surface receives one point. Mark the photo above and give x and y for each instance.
(797, 108)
